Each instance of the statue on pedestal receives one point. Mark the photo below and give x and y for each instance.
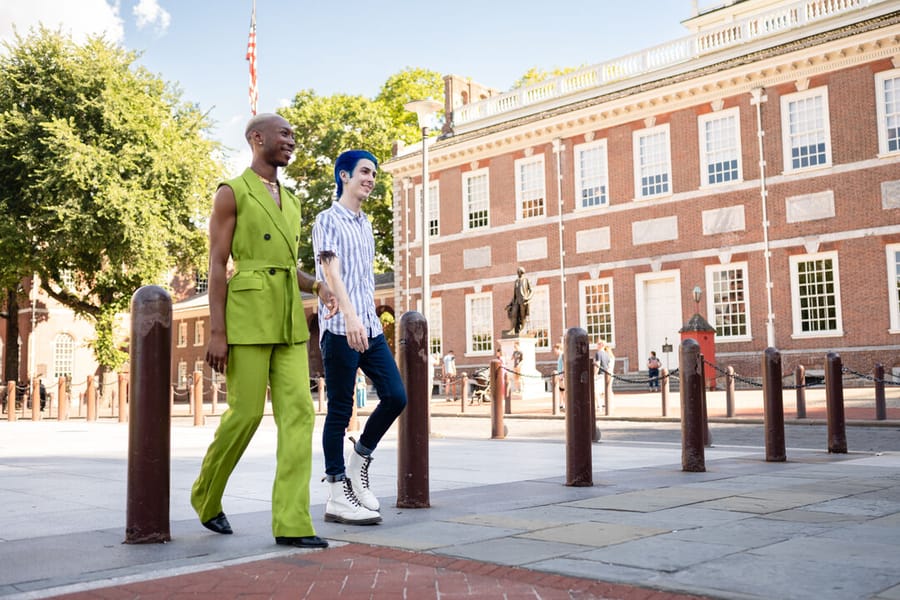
(518, 308)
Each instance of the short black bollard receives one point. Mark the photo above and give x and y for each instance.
(498, 392)
(834, 404)
(691, 370)
(880, 403)
(800, 382)
(773, 406)
(413, 426)
(579, 416)
(149, 422)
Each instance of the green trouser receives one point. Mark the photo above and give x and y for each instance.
(250, 368)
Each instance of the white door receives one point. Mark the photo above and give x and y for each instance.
(659, 317)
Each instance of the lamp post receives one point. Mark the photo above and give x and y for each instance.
(698, 292)
(425, 110)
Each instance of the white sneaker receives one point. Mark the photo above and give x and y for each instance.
(343, 506)
(358, 472)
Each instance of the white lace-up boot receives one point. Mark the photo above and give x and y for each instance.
(343, 506)
(358, 473)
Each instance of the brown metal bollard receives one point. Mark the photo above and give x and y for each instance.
(123, 398)
(199, 419)
(707, 436)
(90, 398)
(321, 389)
(880, 405)
(664, 390)
(834, 404)
(693, 458)
(579, 416)
(800, 382)
(35, 399)
(554, 392)
(149, 427)
(773, 406)
(213, 395)
(498, 393)
(413, 423)
(62, 409)
(11, 401)
(464, 392)
(729, 391)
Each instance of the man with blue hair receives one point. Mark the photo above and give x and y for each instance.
(344, 248)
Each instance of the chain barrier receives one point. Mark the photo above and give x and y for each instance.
(868, 377)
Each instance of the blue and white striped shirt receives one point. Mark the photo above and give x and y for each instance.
(349, 236)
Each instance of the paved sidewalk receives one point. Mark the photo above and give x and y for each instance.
(501, 523)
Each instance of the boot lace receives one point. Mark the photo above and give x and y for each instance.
(364, 471)
(349, 494)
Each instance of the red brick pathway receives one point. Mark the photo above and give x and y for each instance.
(368, 572)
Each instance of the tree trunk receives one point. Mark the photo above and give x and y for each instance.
(11, 357)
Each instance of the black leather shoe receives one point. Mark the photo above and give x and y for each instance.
(312, 541)
(219, 524)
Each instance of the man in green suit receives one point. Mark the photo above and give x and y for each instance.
(258, 335)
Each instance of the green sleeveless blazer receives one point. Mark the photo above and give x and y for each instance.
(263, 304)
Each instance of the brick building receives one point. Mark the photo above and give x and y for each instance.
(757, 158)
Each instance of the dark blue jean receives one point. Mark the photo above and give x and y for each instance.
(341, 362)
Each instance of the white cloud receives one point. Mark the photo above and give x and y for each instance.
(149, 12)
(80, 19)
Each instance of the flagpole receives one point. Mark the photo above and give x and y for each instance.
(253, 90)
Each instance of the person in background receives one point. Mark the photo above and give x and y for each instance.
(561, 380)
(653, 366)
(450, 375)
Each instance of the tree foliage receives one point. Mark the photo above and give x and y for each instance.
(105, 174)
(535, 75)
(326, 126)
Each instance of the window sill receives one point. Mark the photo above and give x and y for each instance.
(812, 336)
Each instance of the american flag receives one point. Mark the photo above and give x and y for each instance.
(251, 56)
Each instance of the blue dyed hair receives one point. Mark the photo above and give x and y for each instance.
(347, 162)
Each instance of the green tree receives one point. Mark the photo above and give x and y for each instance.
(105, 176)
(535, 75)
(326, 126)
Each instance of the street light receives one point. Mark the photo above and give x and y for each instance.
(425, 111)
(698, 292)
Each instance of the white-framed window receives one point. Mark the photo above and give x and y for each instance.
(597, 309)
(436, 328)
(63, 355)
(591, 175)
(887, 106)
(720, 147)
(476, 199)
(199, 333)
(434, 210)
(728, 300)
(815, 293)
(479, 323)
(531, 193)
(201, 282)
(182, 334)
(539, 317)
(198, 367)
(806, 133)
(652, 162)
(182, 373)
(893, 273)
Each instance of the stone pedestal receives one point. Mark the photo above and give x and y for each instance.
(532, 385)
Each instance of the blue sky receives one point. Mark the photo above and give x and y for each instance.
(351, 47)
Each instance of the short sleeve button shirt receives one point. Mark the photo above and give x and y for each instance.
(349, 236)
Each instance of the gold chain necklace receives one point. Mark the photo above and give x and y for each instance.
(274, 184)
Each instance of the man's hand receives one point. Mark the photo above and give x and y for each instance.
(356, 333)
(217, 352)
(328, 298)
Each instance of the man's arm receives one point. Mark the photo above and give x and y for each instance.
(221, 233)
(357, 337)
(307, 282)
